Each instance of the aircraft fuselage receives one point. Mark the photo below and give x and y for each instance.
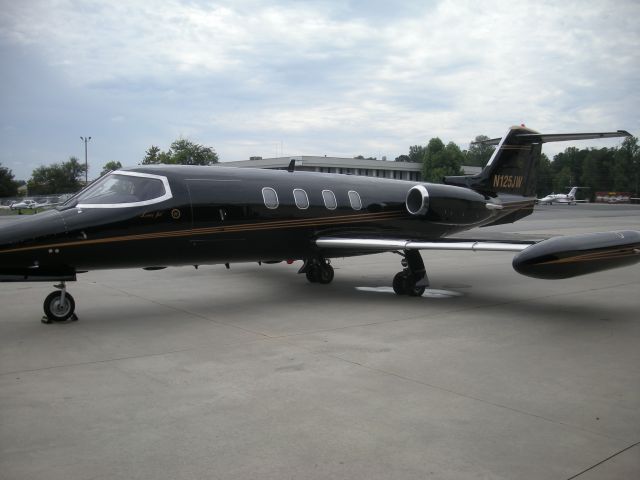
(220, 215)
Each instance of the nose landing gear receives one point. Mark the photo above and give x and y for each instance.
(413, 279)
(59, 306)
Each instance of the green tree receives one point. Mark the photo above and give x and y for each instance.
(596, 170)
(151, 155)
(181, 152)
(62, 177)
(545, 177)
(562, 180)
(8, 185)
(626, 166)
(185, 152)
(416, 153)
(479, 153)
(440, 160)
(568, 165)
(110, 167)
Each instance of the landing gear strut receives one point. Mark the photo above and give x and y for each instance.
(413, 279)
(59, 306)
(318, 270)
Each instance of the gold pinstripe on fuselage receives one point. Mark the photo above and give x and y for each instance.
(244, 227)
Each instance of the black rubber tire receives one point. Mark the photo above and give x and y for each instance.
(325, 274)
(312, 274)
(400, 283)
(55, 311)
(404, 284)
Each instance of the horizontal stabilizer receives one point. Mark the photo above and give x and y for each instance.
(563, 137)
(556, 137)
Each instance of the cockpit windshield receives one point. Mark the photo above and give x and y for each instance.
(124, 189)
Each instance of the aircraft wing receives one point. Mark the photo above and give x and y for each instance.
(468, 240)
(385, 245)
(550, 258)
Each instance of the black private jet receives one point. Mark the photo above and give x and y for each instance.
(154, 217)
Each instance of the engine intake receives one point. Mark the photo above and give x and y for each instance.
(418, 200)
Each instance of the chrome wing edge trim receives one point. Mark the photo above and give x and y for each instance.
(473, 246)
(382, 244)
(373, 244)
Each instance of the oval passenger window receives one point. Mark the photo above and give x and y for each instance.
(270, 198)
(301, 198)
(354, 199)
(329, 199)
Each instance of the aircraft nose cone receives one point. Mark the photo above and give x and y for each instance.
(17, 235)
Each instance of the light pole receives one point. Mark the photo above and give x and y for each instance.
(86, 164)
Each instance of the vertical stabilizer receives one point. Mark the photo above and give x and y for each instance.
(512, 167)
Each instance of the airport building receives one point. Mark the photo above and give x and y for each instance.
(349, 166)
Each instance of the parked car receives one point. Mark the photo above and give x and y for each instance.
(25, 204)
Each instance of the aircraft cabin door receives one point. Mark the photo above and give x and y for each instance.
(218, 214)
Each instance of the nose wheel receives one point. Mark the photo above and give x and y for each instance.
(59, 306)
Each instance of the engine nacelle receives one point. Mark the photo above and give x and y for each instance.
(447, 204)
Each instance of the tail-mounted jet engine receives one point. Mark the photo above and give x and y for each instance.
(448, 204)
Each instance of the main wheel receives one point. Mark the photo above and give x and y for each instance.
(416, 291)
(400, 283)
(58, 310)
(325, 273)
(405, 284)
(313, 274)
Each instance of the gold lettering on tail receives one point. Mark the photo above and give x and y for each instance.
(508, 182)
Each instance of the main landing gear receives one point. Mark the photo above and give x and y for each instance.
(318, 270)
(413, 279)
(59, 306)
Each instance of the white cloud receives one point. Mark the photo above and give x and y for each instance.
(350, 75)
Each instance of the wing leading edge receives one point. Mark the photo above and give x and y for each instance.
(386, 245)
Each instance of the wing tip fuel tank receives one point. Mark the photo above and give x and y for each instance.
(571, 256)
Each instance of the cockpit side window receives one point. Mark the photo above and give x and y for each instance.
(125, 189)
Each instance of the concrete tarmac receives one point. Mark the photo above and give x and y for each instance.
(255, 373)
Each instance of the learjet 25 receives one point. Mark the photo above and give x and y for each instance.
(153, 217)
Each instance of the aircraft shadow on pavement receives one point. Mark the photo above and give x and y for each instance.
(270, 290)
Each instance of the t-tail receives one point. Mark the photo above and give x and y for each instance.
(572, 193)
(513, 166)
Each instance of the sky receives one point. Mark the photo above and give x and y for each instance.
(287, 78)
